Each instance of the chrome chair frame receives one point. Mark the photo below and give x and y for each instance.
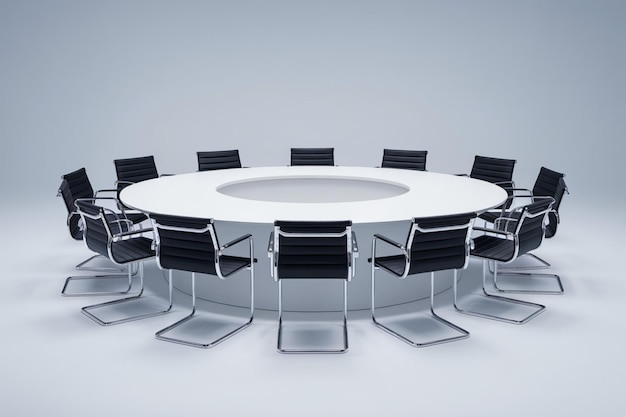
(513, 270)
(115, 272)
(273, 252)
(112, 238)
(67, 192)
(160, 335)
(540, 262)
(504, 224)
(463, 334)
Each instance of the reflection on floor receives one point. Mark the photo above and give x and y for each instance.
(566, 361)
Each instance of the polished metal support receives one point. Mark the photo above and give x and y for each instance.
(126, 272)
(463, 334)
(540, 264)
(508, 273)
(279, 345)
(84, 265)
(88, 309)
(538, 308)
(160, 335)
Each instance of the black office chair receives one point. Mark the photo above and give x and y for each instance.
(404, 159)
(433, 244)
(191, 244)
(132, 170)
(312, 250)
(123, 248)
(530, 237)
(312, 156)
(521, 231)
(76, 185)
(549, 183)
(212, 160)
(497, 171)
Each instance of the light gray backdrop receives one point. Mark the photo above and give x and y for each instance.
(84, 82)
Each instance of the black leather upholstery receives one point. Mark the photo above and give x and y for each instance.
(132, 170)
(75, 185)
(208, 161)
(548, 184)
(551, 184)
(404, 159)
(98, 235)
(310, 256)
(527, 226)
(312, 156)
(433, 250)
(188, 250)
(433, 244)
(495, 170)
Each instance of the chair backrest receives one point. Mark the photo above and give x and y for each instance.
(554, 216)
(404, 159)
(310, 249)
(439, 243)
(212, 160)
(494, 170)
(550, 184)
(73, 186)
(132, 170)
(185, 243)
(530, 228)
(102, 228)
(312, 156)
(97, 231)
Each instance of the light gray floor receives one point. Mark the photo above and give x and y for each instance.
(568, 361)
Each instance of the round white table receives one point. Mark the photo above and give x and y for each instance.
(249, 200)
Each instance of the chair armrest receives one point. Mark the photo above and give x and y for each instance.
(504, 184)
(121, 222)
(494, 231)
(270, 245)
(105, 191)
(270, 254)
(503, 222)
(235, 241)
(390, 242)
(122, 235)
(522, 189)
(355, 246)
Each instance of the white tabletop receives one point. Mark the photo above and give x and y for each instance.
(397, 194)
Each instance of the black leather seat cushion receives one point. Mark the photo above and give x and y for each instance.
(495, 248)
(130, 250)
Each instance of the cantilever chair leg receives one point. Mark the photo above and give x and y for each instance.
(554, 277)
(539, 263)
(88, 309)
(100, 278)
(84, 265)
(538, 308)
(279, 344)
(116, 272)
(463, 334)
(160, 335)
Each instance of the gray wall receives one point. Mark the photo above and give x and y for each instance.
(85, 82)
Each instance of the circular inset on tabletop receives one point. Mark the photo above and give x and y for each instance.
(312, 189)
